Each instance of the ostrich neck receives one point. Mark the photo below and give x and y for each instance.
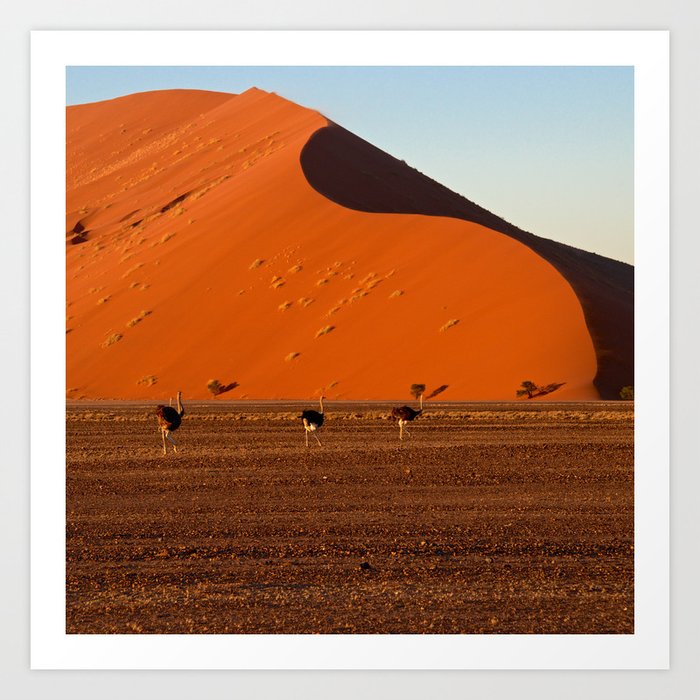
(180, 408)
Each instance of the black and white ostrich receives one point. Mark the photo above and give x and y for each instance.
(169, 419)
(405, 414)
(312, 421)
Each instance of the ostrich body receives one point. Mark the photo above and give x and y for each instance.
(405, 414)
(169, 419)
(312, 421)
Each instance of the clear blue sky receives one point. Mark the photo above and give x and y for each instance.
(550, 149)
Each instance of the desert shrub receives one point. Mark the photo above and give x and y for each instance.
(111, 339)
(216, 388)
(417, 390)
(527, 388)
(324, 331)
(530, 389)
(149, 380)
(138, 319)
(452, 322)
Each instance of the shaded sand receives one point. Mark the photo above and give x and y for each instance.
(190, 213)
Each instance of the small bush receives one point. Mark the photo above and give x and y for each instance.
(216, 387)
(148, 380)
(417, 390)
(627, 393)
(324, 331)
(452, 322)
(531, 390)
(110, 340)
(138, 319)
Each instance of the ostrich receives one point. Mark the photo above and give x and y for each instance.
(312, 421)
(404, 414)
(169, 419)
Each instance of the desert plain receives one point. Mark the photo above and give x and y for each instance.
(492, 518)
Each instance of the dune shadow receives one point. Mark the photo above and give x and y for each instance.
(355, 174)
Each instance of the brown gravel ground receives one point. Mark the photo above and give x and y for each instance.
(491, 518)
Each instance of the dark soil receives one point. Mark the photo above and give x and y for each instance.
(489, 519)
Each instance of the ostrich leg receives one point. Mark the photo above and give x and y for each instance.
(317, 440)
(162, 434)
(172, 440)
(306, 435)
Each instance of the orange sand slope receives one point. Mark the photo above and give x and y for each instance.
(197, 249)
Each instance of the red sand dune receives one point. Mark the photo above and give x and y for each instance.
(198, 247)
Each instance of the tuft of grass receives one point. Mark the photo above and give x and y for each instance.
(284, 305)
(104, 300)
(305, 301)
(256, 263)
(148, 380)
(324, 331)
(292, 356)
(396, 293)
(295, 268)
(216, 387)
(132, 269)
(452, 322)
(166, 237)
(138, 319)
(321, 282)
(111, 339)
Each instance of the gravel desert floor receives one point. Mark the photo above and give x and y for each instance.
(488, 519)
